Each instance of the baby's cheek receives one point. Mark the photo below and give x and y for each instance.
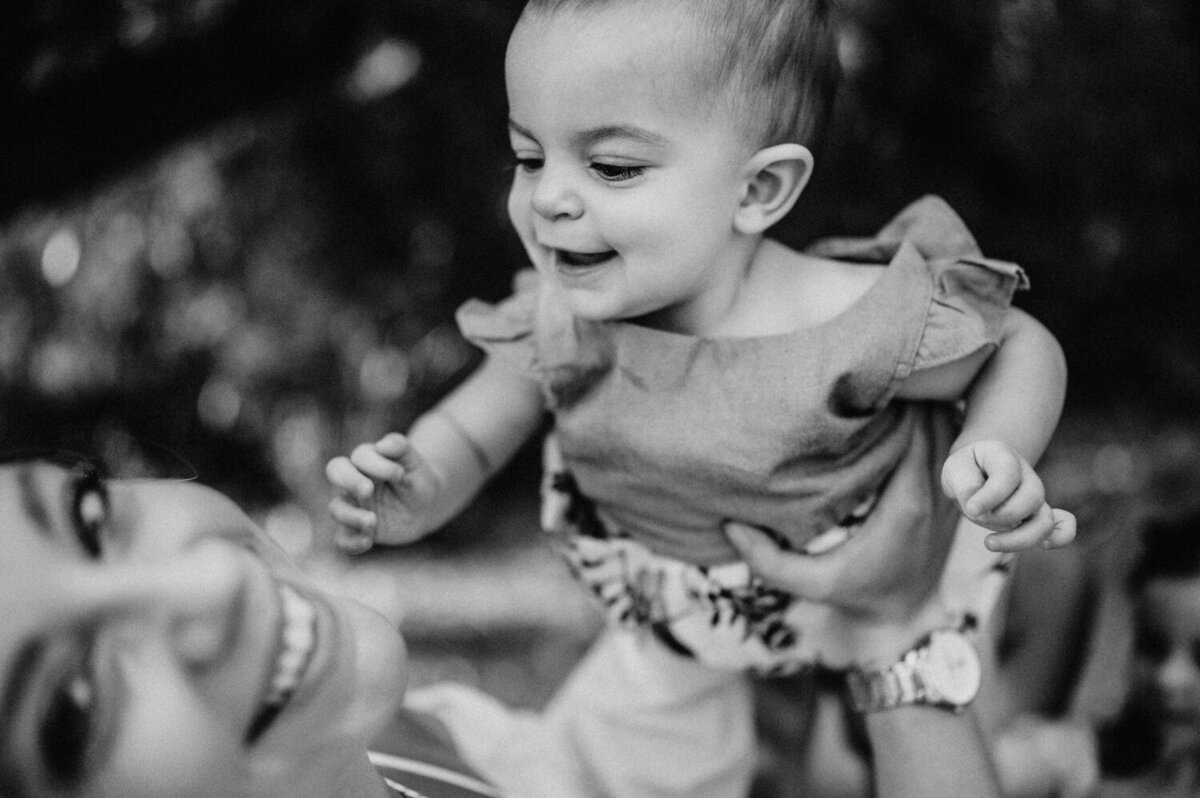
(519, 207)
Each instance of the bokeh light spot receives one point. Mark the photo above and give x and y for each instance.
(219, 404)
(384, 69)
(384, 374)
(60, 257)
(1113, 469)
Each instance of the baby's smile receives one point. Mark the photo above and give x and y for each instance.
(566, 257)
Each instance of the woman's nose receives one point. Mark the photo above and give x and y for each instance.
(193, 597)
(553, 197)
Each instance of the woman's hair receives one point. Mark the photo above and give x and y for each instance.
(776, 61)
(1170, 549)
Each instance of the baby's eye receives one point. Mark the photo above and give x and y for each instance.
(528, 163)
(89, 508)
(615, 173)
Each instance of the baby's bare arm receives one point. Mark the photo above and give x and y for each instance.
(402, 487)
(1015, 395)
(475, 430)
(1018, 395)
(1013, 402)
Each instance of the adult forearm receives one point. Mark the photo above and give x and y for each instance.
(926, 752)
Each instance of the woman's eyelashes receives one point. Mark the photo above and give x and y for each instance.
(66, 731)
(89, 508)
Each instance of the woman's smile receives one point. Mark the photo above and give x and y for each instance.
(296, 640)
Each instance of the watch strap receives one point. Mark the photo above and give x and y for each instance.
(884, 688)
(906, 682)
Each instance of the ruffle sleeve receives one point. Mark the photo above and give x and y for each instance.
(506, 329)
(971, 295)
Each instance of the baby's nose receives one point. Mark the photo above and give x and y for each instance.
(554, 198)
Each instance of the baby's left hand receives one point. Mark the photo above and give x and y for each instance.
(996, 488)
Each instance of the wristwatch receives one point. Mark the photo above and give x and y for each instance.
(941, 670)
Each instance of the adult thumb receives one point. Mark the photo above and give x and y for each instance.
(800, 574)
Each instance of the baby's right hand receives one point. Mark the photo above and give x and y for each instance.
(386, 493)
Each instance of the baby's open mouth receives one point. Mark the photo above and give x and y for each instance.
(566, 257)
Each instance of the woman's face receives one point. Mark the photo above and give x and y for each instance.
(1167, 668)
(154, 642)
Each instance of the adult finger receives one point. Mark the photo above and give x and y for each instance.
(367, 459)
(343, 475)
(806, 576)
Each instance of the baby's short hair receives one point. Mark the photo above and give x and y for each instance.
(775, 60)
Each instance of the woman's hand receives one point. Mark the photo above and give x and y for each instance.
(884, 578)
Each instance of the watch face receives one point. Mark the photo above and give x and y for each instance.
(951, 669)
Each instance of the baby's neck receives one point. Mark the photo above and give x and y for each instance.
(783, 291)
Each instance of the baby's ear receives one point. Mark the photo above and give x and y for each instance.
(774, 178)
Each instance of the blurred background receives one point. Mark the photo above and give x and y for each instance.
(233, 233)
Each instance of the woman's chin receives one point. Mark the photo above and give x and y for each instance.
(380, 668)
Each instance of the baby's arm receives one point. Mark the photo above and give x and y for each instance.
(400, 488)
(1014, 399)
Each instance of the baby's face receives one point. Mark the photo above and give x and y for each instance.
(628, 173)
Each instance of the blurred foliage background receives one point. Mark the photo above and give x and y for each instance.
(233, 232)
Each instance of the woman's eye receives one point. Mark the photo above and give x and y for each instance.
(66, 729)
(615, 173)
(89, 508)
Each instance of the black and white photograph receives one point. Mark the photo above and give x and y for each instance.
(599, 399)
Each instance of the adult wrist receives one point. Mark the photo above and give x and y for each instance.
(940, 669)
(882, 642)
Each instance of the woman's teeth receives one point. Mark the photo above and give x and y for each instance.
(568, 258)
(297, 641)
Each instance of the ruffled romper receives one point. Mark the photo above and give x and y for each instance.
(660, 437)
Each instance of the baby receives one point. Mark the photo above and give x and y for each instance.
(697, 371)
